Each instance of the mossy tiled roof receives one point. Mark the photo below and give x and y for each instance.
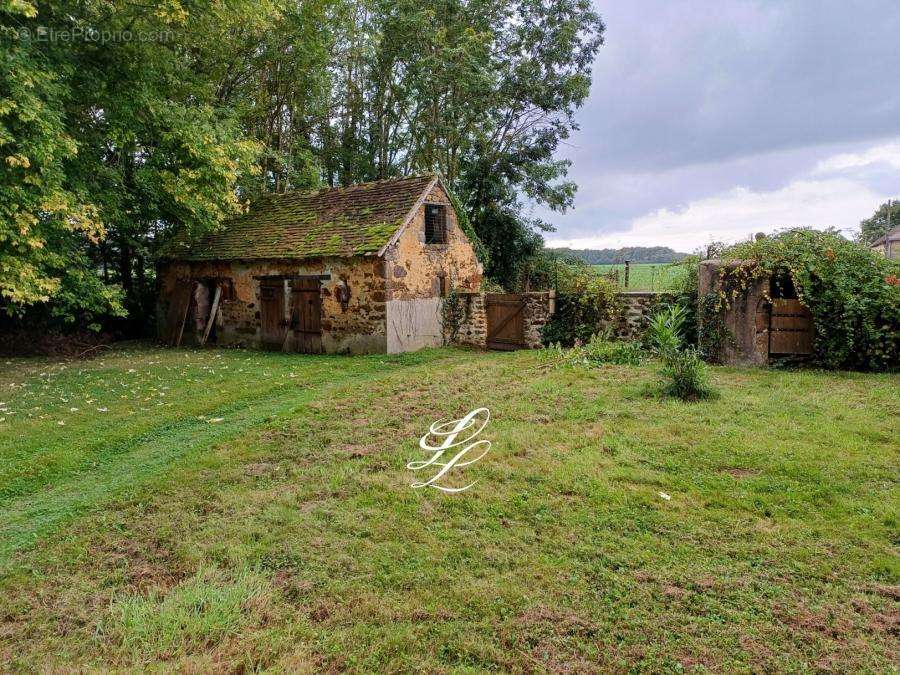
(335, 222)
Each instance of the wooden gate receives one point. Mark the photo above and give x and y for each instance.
(505, 320)
(273, 326)
(790, 328)
(306, 315)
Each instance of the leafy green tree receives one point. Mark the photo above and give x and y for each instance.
(183, 110)
(886, 217)
(110, 144)
(45, 223)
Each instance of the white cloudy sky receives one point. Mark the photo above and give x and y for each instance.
(714, 119)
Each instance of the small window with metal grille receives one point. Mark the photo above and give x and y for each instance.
(435, 224)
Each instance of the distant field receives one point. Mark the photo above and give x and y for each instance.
(646, 276)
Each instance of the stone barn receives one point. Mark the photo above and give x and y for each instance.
(359, 269)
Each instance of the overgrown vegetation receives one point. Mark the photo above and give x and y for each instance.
(599, 350)
(685, 373)
(665, 330)
(584, 300)
(847, 288)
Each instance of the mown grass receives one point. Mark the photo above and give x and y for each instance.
(646, 276)
(286, 535)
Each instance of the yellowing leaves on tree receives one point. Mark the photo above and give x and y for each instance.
(18, 160)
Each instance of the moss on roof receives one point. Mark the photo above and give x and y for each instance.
(335, 222)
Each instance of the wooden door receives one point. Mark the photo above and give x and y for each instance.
(505, 320)
(273, 326)
(306, 315)
(790, 328)
(179, 302)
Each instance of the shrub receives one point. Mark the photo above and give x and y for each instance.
(584, 300)
(597, 351)
(685, 295)
(687, 375)
(601, 350)
(664, 332)
(846, 286)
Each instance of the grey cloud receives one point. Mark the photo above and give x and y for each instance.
(691, 99)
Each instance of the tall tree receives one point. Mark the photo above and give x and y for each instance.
(885, 218)
(151, 117)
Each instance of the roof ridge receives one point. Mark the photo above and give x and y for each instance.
(346, 188)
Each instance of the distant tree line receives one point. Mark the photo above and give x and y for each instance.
(123, 121)
(615, 256)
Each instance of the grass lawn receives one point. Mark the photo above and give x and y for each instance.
(646, 276)
(227, 510)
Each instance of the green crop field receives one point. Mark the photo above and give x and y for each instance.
(229, 511)
(645, 276)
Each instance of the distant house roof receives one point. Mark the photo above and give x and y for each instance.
(893, 235)
(334, 222)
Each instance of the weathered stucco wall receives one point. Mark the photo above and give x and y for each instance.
(747, 343)
(360, 328)
(414, 324)
(414, 271)
(414, 268)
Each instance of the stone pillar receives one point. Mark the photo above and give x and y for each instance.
(473, 329)
(745, 343)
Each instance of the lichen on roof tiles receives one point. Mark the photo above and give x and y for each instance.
(334, 222)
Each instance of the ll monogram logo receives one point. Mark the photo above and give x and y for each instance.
(447, 433)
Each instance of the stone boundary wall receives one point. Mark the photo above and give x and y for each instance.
(637, 308)
(473, 330)
(538, 308)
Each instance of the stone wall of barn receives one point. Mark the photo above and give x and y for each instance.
(418, 275)
(360, 327)
(414, 269)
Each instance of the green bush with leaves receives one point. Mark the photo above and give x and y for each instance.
(687, 375)
(598, 351)
(849, 289)
(584, 300)
(664, 332)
